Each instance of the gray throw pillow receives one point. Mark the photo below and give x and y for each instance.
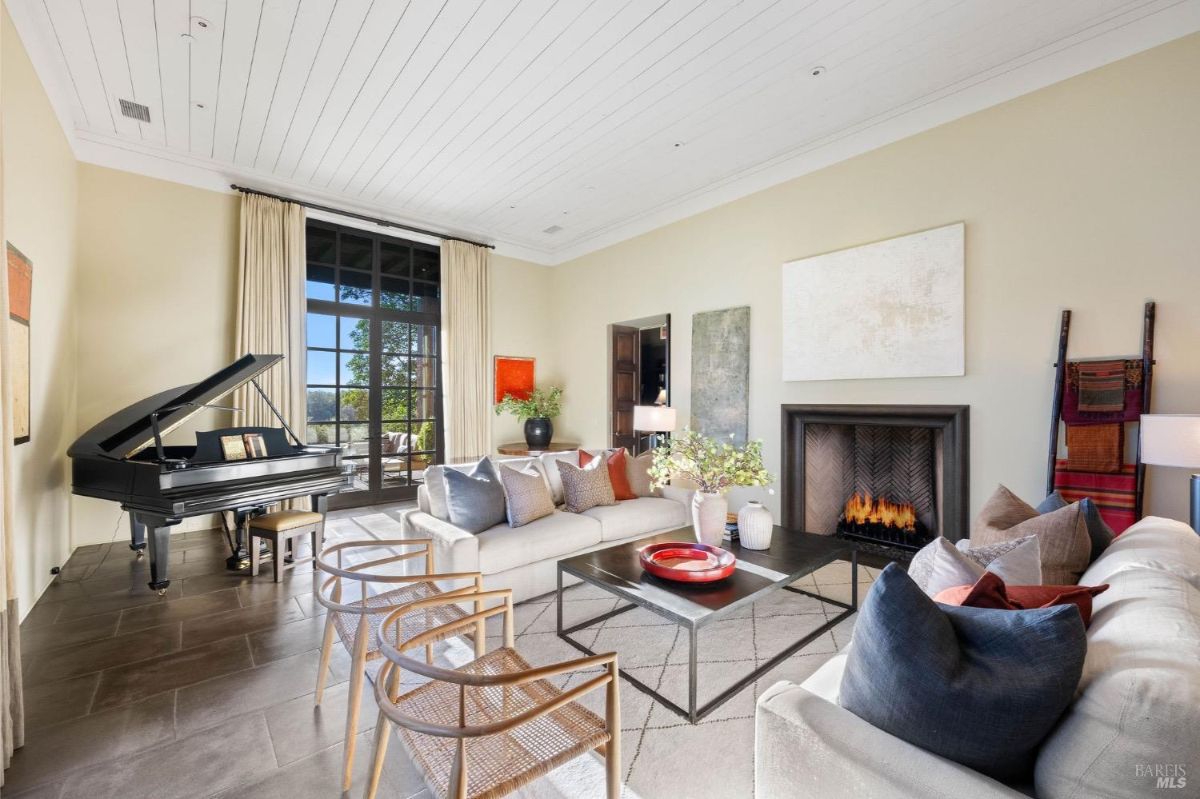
(1098, 530)
(526, 494)
(979, 686)
(940, 565)
(474, 501)
(586, 487)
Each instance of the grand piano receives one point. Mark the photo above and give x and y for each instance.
(123, 459)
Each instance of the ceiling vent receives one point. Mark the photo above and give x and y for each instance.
(135, 110)
(553, 229)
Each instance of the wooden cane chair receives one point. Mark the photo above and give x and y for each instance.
(487, 728)
(377, 593)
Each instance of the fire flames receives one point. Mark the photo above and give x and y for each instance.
(862, 509)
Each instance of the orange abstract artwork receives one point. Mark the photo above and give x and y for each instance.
(514, 376)
(20, 300)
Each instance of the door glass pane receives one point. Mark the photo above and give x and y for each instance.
(355, 405)
(360, 472)
(356, 287)
(355, 435)
(395, 405)
(321, 368)
(393, 259)
(424, 404)
(354, 334)
(423, 372)
(354, 369)
(320, 330)
(356, 252)
(322, 405)
(319, 285)
(394, 293)
(424, 436)
(320, 245)
(321, 433)
(395, 370)
(425, 263)
(424, 340)
(397, 337)
(426, 295)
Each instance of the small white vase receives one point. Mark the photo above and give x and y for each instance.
(755, 526)
(708, 517)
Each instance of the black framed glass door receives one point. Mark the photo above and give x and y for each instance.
(373, 370)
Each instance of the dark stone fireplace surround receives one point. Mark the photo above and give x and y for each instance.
(950, 422)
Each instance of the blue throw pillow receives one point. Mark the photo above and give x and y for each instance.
(1098, 530)
(979, 686)
(475, 501)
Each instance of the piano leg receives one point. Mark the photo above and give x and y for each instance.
(137, 535)
(158, 531)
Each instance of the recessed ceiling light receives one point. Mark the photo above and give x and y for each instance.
(199, 105)
(817, 72)
(203, 23)
(680, 143)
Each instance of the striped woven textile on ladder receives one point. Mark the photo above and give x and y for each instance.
(1114, 494)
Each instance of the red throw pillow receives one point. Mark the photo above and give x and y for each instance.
(990, 591)
(617, 474)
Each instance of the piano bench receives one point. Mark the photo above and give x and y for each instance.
(281, 529)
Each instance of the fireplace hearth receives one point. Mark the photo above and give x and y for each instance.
(892, 477)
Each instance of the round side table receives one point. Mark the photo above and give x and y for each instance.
(522, 449)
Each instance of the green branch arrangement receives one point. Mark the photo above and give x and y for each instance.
(542, 404)
(713, 467)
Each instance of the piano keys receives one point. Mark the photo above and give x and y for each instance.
(123, 459)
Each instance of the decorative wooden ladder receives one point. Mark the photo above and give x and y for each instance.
(1060, 378)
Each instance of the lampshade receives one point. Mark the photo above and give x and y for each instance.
(653, 418)
(1171, 439)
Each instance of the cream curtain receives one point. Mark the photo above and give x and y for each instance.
(12, 708)
(466, 328)
(271, 308)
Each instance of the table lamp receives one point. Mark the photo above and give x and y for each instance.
(653, 419)
(1174, 440)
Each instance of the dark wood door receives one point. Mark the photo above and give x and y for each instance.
(626, 384)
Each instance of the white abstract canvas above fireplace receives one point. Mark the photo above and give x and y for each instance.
(889, 309)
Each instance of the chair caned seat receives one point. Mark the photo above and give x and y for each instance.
(500, 763)
(285, 520)
(379, 605)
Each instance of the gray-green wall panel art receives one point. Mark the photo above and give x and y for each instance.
(721, 374)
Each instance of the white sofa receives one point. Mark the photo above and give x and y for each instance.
(524, 558)
(1135, 718)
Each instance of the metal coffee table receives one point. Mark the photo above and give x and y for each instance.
(759, 573)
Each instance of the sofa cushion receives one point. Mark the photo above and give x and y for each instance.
(501, 548)
(638, 472)
(981, 687)
(1138, 702)
(526, 494)
(549, 462)
(618, 474)
(643, 515)
(586, 486)
(1066, 547)
(474, 500)
(1098, 530)
(989, 591)
(940, 565)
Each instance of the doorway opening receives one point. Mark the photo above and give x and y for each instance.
(639, 373)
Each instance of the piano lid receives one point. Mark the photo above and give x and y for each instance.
(129, 431)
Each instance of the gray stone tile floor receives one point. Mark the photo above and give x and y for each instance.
(208, 691)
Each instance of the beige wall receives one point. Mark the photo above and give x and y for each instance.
(157, 287)
(522, 326)
(39, 219)
(1084, 195)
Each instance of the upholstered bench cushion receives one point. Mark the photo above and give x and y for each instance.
(285, 520)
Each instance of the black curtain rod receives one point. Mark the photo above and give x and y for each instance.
(363, 217)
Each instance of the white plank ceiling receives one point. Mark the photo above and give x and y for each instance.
(502, 118)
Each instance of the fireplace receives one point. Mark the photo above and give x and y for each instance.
(893, 477)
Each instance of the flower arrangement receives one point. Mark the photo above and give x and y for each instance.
(541, 404)
(713, 467)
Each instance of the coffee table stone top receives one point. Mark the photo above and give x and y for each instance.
(792, 555)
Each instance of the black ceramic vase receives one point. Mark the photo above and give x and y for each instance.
(538, 433)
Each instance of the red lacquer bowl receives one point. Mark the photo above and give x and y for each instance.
(687, 561)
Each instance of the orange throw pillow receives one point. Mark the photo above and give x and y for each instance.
(990, 591)
(617, 474)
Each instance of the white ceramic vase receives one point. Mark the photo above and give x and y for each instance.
(755, 526)
(708, 517)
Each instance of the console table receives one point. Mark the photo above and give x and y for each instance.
(521, 448)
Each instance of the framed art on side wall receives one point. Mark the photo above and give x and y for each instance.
(20, 301)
